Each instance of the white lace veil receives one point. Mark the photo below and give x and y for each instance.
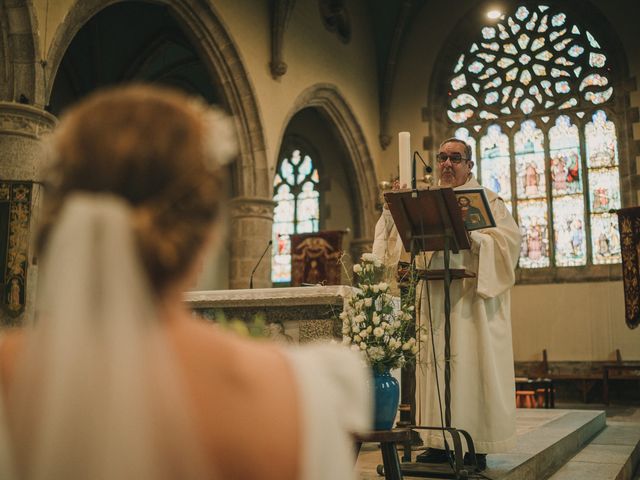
(98, 393)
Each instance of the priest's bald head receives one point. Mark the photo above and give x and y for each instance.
(454, 160)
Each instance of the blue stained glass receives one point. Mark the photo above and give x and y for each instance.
(529, 150)
(605, 238)
(592, 41)
(601, 141)
(604, 187)
(525, 64)
(569, 231)
(286, 171)
(534, 227)
(284, 209)
(495, 161)
(304, 169)
(522, 13)
(294, 213)
(558, 19)
(488, 33)
(564, 150)
(463, 134)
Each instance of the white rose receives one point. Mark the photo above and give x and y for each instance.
(363, 346)
(368, 302)
(346, 340)
(383, 286)
(378, 332)
(364, 334)
(406, 346)
(369, 328)
(414, 349)
(357, 268)
(355, 328)
(375, 288)
(369, 257)
(375, 318)
(346, 329)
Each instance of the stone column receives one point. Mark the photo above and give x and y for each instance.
(251, 225)
(21, 127)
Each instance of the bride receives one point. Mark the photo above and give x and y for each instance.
(115, 379)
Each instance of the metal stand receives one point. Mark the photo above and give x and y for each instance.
(447, 237)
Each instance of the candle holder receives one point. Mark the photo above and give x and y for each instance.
(384, 186)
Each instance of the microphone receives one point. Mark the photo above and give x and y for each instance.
(427, 169)
(258, 264)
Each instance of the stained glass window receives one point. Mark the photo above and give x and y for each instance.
(529, 96)
(295, 191)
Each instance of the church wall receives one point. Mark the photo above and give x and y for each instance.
(573, 321)
(313, 56)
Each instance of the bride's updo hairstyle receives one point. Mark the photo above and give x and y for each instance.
(159, 150)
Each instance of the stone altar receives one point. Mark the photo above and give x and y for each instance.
(305, 313)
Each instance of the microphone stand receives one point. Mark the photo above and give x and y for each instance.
(258, 264)
(414, 180)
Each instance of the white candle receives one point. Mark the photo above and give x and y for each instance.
(404, 158)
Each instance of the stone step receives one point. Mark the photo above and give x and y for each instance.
(547, 447)
(613, 454)
(546, 440)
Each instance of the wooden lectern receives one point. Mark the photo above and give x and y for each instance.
(431, 220)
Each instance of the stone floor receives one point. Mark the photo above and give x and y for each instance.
(571, 441)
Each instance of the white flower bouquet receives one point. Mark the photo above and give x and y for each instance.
(376, 322)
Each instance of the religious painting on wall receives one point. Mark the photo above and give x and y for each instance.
(15, 213)
(315, 258)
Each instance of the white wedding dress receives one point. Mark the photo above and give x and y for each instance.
(97, 391)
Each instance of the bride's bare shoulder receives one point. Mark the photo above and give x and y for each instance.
(237, 355)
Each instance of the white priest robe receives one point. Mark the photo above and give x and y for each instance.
(482, 374)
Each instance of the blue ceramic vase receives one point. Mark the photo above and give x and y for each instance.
(387, 396)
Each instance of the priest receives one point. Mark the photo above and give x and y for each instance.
(482, 375)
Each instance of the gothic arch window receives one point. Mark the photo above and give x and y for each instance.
(534, 98)
(297, 196)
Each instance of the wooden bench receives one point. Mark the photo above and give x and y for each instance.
(584, 375)
(618, 370)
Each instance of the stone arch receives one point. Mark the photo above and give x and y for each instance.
(220, 55)
(20, 74)
(328, 100)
